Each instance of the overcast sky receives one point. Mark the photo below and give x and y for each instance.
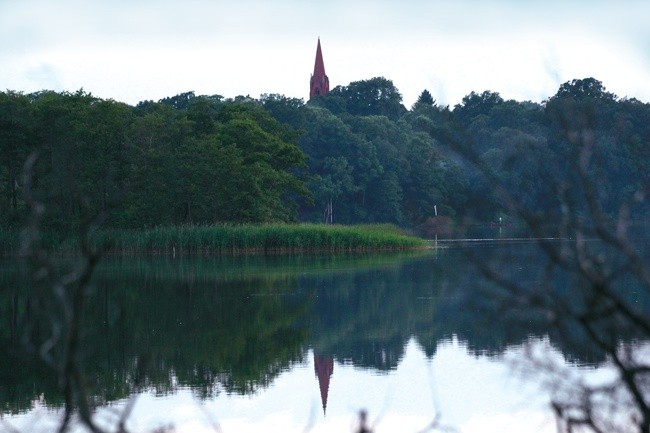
(132, 50)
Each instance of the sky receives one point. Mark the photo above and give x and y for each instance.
(134, 50)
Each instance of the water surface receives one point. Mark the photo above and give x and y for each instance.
(298, 343)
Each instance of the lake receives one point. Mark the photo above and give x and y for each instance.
(300, 343)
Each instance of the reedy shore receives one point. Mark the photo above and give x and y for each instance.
(234, 239)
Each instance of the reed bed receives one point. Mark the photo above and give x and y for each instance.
(256, 239)
(230, 239)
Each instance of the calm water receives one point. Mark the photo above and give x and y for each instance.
(289, 344)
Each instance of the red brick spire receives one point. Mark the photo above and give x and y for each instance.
(319, 83)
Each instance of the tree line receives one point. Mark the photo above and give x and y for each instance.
(357, 155)
(180, 160)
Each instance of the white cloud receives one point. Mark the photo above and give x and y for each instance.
(44, 75)
(149, 49)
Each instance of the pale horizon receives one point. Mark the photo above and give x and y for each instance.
(146, 50)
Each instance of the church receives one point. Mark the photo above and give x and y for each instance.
(319, 84)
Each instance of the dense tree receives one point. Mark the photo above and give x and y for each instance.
(327, 140)
(584, 88)
(377, 96)
(397, 172)
(182, 101)
(213, 162)
(16, 128)
(583, 115)
(475, 104)
(285, 110)
(186, 159)
(425, 98)
(81, 140)
(266, 160)
(357, 152)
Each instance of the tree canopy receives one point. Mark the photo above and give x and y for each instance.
(185, 159)
(356, 155)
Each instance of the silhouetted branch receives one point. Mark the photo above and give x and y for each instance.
(597, 253)
(60, 300)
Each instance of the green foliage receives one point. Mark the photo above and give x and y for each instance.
(425, 98)
(476, 104)
(285, 110)
(584, 88)
(372, 169)
(533, 151)
(186, 159)
(377, 96)
(354, 156)
(16, 129)
(245, 239)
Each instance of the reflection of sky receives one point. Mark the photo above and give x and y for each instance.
(473, 394)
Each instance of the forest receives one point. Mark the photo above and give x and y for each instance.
(357, 155)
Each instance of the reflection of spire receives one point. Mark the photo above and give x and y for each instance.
(324, 367)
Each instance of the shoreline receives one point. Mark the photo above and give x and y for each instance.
(250, 239)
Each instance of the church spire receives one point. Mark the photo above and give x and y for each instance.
(319, 83)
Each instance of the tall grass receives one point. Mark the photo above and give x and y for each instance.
(230, 239)
(268, 238)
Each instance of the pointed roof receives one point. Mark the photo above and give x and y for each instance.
(319, 84)
(319, 65)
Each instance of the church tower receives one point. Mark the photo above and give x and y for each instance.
(319, 85)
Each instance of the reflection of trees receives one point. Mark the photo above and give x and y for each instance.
(227, 324)
(161, 334)
(22, 376)
(236, 336)
(233, 324)
(366, 317)
(488, 324)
